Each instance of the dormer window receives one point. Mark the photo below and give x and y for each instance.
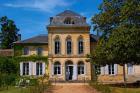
(68, 21)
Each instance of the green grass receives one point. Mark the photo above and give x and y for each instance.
(15, 90)
(125, 90)
(109, 89)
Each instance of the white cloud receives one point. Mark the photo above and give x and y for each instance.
(43, 5)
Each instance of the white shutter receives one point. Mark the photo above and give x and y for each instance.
(44, 68)
(102, 70)
(30, 68)
(21, 68)
(75, 72)
(106, 70)
(34, 64)
(115, 69)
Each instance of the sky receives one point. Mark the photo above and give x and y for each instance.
(32, 16)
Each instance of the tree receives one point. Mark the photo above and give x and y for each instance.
(120, 27)
(9, 33)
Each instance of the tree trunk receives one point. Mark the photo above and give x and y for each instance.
(124, 75)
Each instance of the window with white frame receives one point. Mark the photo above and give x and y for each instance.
(39, 51)
(111, 69)
(80, 46)
(25, 51)
(39, 68)
(130, 69)
(57, 46)
(57, 68)
(69, 46)
(25, 68)
(81, 68)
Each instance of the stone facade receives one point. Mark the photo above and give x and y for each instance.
(74, 66)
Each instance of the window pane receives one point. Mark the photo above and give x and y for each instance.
(68, 47)
(57, 47)
(26, 51)
(39, 51)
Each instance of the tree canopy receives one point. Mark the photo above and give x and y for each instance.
(119, 23)
(9, 33)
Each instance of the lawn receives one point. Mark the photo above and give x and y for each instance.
(125, 90)
(15, 90)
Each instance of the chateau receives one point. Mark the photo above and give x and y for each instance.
(67, 44)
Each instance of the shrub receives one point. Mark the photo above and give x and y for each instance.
(101, 87)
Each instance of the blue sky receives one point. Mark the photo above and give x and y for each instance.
(32, 16)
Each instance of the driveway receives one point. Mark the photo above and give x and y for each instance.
(71, 89)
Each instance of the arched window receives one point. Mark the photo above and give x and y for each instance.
(69, 46)
(57, 68)
(80, 46)
(81, 68)
(57, 46)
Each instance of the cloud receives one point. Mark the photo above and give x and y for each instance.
(42, 5)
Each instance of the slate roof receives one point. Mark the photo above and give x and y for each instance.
(43, 39)
(59, 20)
(68, 13)
(40, 39)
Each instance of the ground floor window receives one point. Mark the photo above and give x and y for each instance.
(25, 68)
(111, 69)
(57, 68)
(130, 69)
(39, 69)
(32, 68)
(81, 68)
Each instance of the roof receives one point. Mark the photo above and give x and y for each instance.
(40, 39)
(43, 39)
(6, 52)
(94, 38)
(68, 13)
(68, 18)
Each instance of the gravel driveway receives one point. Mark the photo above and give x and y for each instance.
(71, 89)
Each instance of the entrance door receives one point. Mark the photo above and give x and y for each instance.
(69, 72)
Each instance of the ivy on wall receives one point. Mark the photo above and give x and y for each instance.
(18, 50)
(31, 58)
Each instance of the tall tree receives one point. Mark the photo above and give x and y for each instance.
(9, 33)
(119, 23)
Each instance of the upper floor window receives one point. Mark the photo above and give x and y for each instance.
(25, 69)
(69, 46)
(111, 69)
(39, 69)
(81, 68)
(69, 21)
(57, 68)
(39, 51)
(57, 46)
(26, 51)
(80, 46)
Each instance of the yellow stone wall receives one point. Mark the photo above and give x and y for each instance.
(75, 61)
(74, 57)
(112, 78)
(32, 50)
